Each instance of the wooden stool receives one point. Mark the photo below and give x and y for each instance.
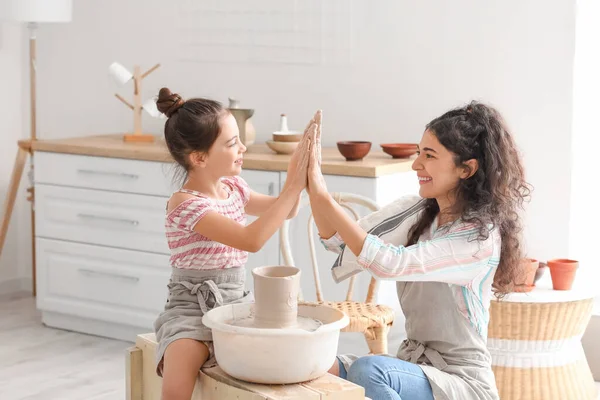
(535, 342)
(144, 384)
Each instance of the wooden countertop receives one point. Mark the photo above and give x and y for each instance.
(258, 156)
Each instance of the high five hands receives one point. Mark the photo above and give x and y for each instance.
(305, 165)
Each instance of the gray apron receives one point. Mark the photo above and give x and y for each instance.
(450, 351)
(192, 293)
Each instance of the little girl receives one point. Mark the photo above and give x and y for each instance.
(207, 233)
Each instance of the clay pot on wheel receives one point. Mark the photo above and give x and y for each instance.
(275, 341)
(276, 296)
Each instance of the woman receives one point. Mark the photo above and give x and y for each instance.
(460, 244)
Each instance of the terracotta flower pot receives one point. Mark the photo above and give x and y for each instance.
(529, 267)
(563, 273)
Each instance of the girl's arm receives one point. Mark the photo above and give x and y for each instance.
(253, 236)
(260, 203)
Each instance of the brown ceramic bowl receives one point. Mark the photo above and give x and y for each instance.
(399, 150)
(354, 150)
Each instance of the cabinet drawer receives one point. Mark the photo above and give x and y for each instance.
(115, 174)
(122, 220)
(114, 285)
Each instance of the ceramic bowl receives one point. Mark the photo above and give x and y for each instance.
(289, 136)
(399, 150)
(282, 147)
(275, 356)
(354, 150)
(540, 271)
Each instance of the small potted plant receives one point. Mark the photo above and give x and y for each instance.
(563, 273)
(529, 267)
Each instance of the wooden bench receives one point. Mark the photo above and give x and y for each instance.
(213, 383)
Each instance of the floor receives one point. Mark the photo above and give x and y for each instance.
(43, 363)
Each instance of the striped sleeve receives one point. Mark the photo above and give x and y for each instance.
(335, 244)
(187, 214)
(457, 258)
(241, 186)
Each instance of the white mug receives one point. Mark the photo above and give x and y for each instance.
(150, 107)
(119, 73)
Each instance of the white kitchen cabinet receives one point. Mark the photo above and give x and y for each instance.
(100, 290)
(113, 219)
(102, 257)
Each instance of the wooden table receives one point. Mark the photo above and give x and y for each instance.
(213, 383)
(258, 156)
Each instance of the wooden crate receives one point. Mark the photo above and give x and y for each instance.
(213, 383)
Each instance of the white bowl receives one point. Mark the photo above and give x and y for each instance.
(287, 136)
(275, 356)
(282, 147)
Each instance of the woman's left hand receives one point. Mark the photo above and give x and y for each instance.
(298, 155)
(316, 181)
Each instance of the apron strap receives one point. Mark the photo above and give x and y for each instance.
(202, 291)
(418, 349)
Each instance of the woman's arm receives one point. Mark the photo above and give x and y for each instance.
(329, 216)
(457, 257)
(334, 218)
(326, 231)
(454, 258)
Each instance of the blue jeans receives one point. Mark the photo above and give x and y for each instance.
(388, 378)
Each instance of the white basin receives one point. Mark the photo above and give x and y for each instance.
(274, 356)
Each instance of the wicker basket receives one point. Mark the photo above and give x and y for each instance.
(536, 350)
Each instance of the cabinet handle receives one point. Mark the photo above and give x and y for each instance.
(108, 173)
(109, 274)
(111, 219)
(271, 190)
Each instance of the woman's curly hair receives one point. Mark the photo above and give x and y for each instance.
(494, 194)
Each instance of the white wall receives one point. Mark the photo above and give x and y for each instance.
(379, 70)
(16, 256)
(586, 139)
(584, 194)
